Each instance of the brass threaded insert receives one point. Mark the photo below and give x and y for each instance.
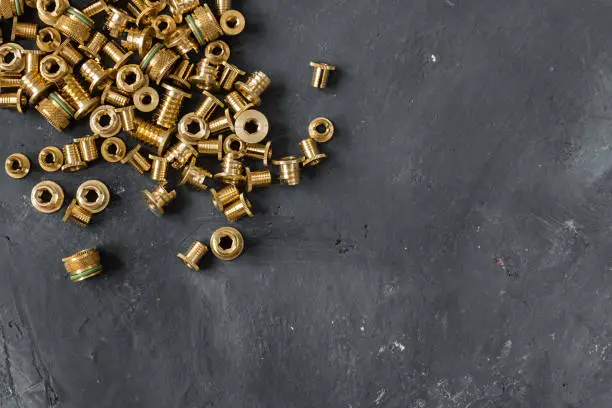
(54, 68)
(312, 155)
(238, 209)
(260, 151)
(56, 110)
(74, 26)
(50, 10)
(14, 100)
(182, 41)
(195, 176)
(158, 63)
(194, 254)
(23, 30)
(94, 8)
(223, 6)
(78, 97)
(35, 86)
(137, 160)
(237, 103)
(191, 128)
(212, 147)
(252, 126)
(146, 99)
(179, 154)
(207, 23)
(32, 60)
(206, 74)
(72, 158)
(12, 58)
(112, 96)
(118, 55)
(10, 81)
(181, 74)
(253, 87)
(290, 169)
(159, 168)
(47, 197)
(232, 22)
(95, 74)
(69, 53)
(321, 130)
(113, 149)
(151, 134)
(139, 40)
(117, 21)
(88, 148)
(159, 198)
(50, 159)
(208, 105)
(222, 123)
(163, 25)
(227, 243)
(170, 107)
(223, 197)
(229, 75)
(233, 170)
(320, 74)
(258, 178)
(233, 144)
(93, 196)
(217, 52)
(105, 121)
(181, 7)
(83, 265)
(17, 165)
(128, 117)
(77, 214)
(94, 46)
(48, 39)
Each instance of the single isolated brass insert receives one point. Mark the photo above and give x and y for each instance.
(312, 155)
(137, 160)
(77, 214)
(17, 165)
(195, 176)
(113, 149)
(159, 198)
(105, 121)
(50, 159)
(93, 195)
(72, 158)
(83, 265)
(290, 169)
(194, 254)
(47, 197)
(320, 74)
(252, 126)
(227, 243)
(87, 147)
(146, 99)
(321, 130)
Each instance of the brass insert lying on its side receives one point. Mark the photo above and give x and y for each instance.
(194, 254)
(83, 265)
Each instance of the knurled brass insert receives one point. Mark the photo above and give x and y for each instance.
(83, 265)
(163, 25)
(194, 254)
(50, 10)
(181, 74)
(117, 21)
(128, 118)
(96, 75)
(170, 107)
(93, 195)
(233, 170)
(258, 178)
(290, 169)
(321, 130)
(75, 25)
(87, 147)
(320, 74)
(112, 96)
(312, 155)
(253, 87)
(12, 59)
(159, 198)
(35, 86)
(227, 243)
(232, 22)
(212, 147)
(158, 62)
(48, 39)
(182, 40)
(229, 75)
(104, 121)
(94, 46)
(14, 100)
(146, 99)
(67, 51)
(50, 159)
(72, 158)
(238, 209)
(195, 176)
(17, 165)
(130, 78)
(47, 197)
(233, 144)
(54, 68)
(208, 105)
(139, 40)
(77, 214)
(137, 160)
(252, 126)
(56, 110)
(205, 77)
(113, 149)
(179, 154)
(78, 97)
(260, 151)
(222, 124)
(142, 11)
(181, 7)
(217, 52)
(159, 168)
(223, 197)
(118, 55)
(23, 30)
(192, 128)
(206, 23)
(151, 134)
(237, 103)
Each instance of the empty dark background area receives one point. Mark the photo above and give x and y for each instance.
(453, 251)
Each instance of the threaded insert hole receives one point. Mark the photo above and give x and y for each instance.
(15, 165)
(112, 149)
(217, 50)
(8, 57)
(47, 38)
(232, 22)
(104, 120)
(130, 78)
(251, 126)
(44, 196)
(49, 158)
(226, 243)
(91, 196)
(52, 67)
(162, 25)
(235, 145)
(321, 128)
(50, 6)
(193, 127)
(146, 99)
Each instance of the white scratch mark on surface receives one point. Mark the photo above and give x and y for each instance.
(506, 349)
(433, 58)
(399, 346)
(379, 398)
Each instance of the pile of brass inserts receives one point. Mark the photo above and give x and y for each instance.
(131, 80)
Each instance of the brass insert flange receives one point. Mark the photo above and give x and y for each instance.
(47, 197)
(93, 195)
(17, 165)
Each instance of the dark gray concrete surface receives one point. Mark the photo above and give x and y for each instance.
(453, 252)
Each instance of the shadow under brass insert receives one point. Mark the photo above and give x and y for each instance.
(312, 155)
(113, 149)
(77, 214)
(217, 52)
(232, 22)
(222, 123)
(195, 176)
(54, 68)
(320, 74)
(229, 75)
(170, 107)
(72, 158)
(17, 165)
(130, 78)
(179, 154)
(112, 96)
(78, 97)
(104, 121)
(67, 51)
(158, 62)
(211, 147)
(14, 100)
(159, 198)
(253, 87)
(50, 159)
(321, 130)
(96, 75)
(56, 110)
(159, 168)
(233, 170)
(260, 151)
(151, 134)
(20, 29)
(47, 197)
(208, 105)
(83, 265)
(48, 39)
(75, 25)
(227, 243)
(119, 56)
(137, 160)
(128, 118)
(35, 86)
(139, 40)
(194, 254)
(206, 74)
(238, 209)
(191, 128)
(93, 195)
(223, 197)
(258, 178)
(252, 126)
(87, 147)
(146, 99)
(290, 169)
(94, 46)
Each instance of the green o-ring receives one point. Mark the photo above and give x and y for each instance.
(195, 29)
(149, 56)
(18, 10)
(86, 273)
(80, 16)
(61, 103)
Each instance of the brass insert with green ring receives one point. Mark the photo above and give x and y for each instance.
(150, 55)
(57, 99)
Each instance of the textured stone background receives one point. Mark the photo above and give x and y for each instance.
(452, 252)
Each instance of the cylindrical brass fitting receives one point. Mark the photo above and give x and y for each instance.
(163, 25)
(211, 147)
(10, 8)
(159, 168)
(258, 178)
(205, 76)
(117, 21)
(233, 170)
(260, 151)
(78, 97)
(181, 7)
(223, 197)
(54, 68)
(181, 73)
(113, 149)
(139, 40)
(35, 86)
(104, 121)
(95, 74)
(179, 154)
(87, 147)
(253, 87)
(137, 160)
(130, 78)
(48, 39)
(229, 75)
(69, 53)
(143, 11)
(227, 243)
(94, 8)
(222, 124)
(77, 214)
(13, 100)
(159, 198)
(217, 52)
(252, 126)
(182, 41)
(49, 11)
(320, 74)
(195, 176)
(93, 195)
(312, 155)
(12, 60)
(151, 134)
(112, 96)
(237, 103)
(83, 265)
(23, 30)
(158, 62)
(223, 6)
(32, 58)
(17, 165)
(238, 209)
(47, 197)
(50, 159)
(72, 158)
(321, 130)
(204, 22)
(168, 112)
(56, 110)
(194, 254)
(115, 53)
(94, 46)
(146, 99)
(75, 25)
(290, 169)
(191, 128)
(232, 22)
(233, 144)
(12, 81)
(208, 106)
(128, 118)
